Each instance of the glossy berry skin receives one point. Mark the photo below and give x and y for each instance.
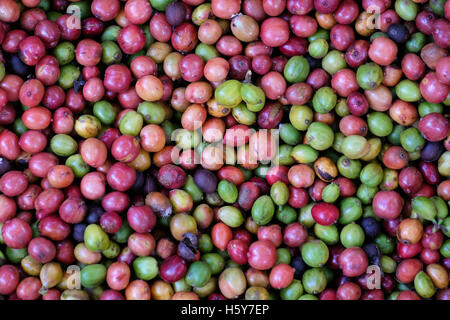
(325, 213)
(371, 227)
(398, 32)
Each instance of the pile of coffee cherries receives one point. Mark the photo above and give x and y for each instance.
(224, 149)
